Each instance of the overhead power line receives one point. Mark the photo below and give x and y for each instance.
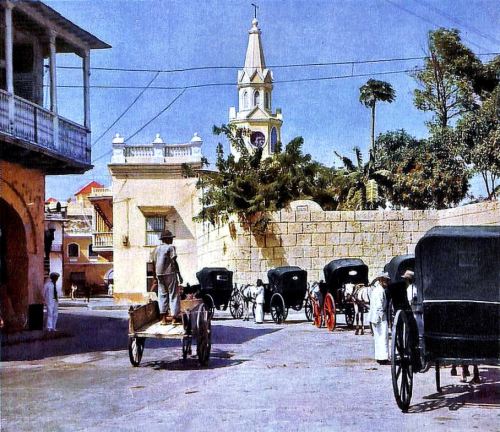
(282, 66)
(145, 124)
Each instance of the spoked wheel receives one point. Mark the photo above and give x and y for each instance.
(349, 315)
(401, 363)
(278, 310)
(135, 350)
(236, 305)
(209, 304)
(308, 309)
(317, 313)
(204, 341)
(329, 310)
(186, 347)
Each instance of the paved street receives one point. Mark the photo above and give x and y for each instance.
(291, 377)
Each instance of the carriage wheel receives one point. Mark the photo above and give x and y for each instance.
(186, 347)
(278, 308)
(317, 313)
(390, 313)
(236, 305)
(209, 304)
(308, 309)
(401, 365)
(349, 315)
(135, 349)
(329, 311)
(204, 341)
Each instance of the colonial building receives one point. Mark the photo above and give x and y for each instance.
(34, 142)
(150, 194)
(255, 87)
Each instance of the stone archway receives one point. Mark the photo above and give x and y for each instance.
(13, 267)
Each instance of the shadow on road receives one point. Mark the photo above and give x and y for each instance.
(224, 335)
(456, 396)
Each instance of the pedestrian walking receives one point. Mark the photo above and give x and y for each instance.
(378, 318)
(51, 300)
(168, 275)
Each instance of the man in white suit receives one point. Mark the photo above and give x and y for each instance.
(378, 318)
(51, 300)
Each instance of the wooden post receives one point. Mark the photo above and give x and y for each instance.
(53, 87)
(9, 68)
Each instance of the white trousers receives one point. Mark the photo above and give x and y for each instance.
(259, 313)
(381, 340)
(52, 312)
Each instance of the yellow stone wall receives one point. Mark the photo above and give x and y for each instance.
(311, 239)
(133, 199)
(24, 190)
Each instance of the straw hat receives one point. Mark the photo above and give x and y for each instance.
(383, 275)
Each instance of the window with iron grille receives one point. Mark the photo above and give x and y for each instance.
(154, 227)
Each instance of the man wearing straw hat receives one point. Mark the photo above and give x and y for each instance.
(378, 318)
(167, 270)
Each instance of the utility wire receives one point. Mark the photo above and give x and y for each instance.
(192, 86)
(126, 109)
(459, 22)
(291, 65)
(145, 124)
(408, 11)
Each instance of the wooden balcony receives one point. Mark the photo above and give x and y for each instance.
(102, 241)
(38, 138)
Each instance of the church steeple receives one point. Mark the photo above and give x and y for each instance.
(255, 86)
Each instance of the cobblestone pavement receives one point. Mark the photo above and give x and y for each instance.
(290, 377)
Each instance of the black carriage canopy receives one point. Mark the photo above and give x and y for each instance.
(281, 277)
(347, 270)
(457, 275)
(215, 278)
(397, 266)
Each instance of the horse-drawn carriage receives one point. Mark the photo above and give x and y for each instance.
(287, 288)
(216, 289)
(455, 319)
(396, 291)
(338, 273)
(144, 322)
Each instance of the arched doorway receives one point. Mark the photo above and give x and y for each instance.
(13, 268)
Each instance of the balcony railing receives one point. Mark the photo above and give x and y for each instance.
(35, 125)
(100, 192)
(102, 240)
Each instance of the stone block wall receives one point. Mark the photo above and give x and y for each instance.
(310, 238)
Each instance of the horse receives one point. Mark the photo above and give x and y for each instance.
(359, 296)
(465, 373)
(249, 294)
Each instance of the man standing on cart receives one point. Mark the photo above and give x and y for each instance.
(166, 269)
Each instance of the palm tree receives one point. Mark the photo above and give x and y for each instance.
(369, 94)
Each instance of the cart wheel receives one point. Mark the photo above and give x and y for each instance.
(278, 310)
(308, 309)
(135, 349)
(317, 313)
(204, 342)
(401, 363)
(186, 347)
(236, 305)
(349, 315)
(329, 311)
(209, 304)
(438, 378)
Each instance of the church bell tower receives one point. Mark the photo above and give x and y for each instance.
(255, 87)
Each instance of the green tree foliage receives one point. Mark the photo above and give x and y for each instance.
(453, 80)
(478, 141)
(372, 92)
(250, 186)
(423, 173)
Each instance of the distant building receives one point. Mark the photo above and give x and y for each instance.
(150, 194)
(255, 88)
(34, 142)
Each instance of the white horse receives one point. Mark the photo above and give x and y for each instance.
(359, 296)
(249, 294)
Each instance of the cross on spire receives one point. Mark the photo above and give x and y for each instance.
(255, 7)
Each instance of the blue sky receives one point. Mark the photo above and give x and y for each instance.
(327, 114)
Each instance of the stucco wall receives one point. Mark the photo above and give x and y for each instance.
(311, 238)
(133, 200)
(24, 190)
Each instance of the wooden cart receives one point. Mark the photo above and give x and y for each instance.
(144, 322)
